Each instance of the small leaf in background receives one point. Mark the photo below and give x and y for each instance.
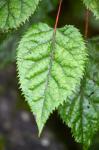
(81, 111)
(50, 67)
(93, 5)
(15, 12)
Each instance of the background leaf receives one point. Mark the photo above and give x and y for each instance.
(15, 12)
(81, 111)
(93, 5)
(49, 67)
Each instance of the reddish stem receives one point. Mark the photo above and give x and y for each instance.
(86, 23)
(58, 14)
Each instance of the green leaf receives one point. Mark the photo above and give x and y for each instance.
(49, 67)
(93, 5)
(81, 111)
(15, 12)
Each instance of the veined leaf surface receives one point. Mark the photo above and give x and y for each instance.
(81, 111)
(15, 12)
(49, 67)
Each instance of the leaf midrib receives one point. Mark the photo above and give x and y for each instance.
(49, 70)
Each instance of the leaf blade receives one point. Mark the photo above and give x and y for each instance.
(81, 111)
(15, 12)
(93, 5)
(56, 68)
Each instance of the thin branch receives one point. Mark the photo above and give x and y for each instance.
(86, 23)
(57, 17)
